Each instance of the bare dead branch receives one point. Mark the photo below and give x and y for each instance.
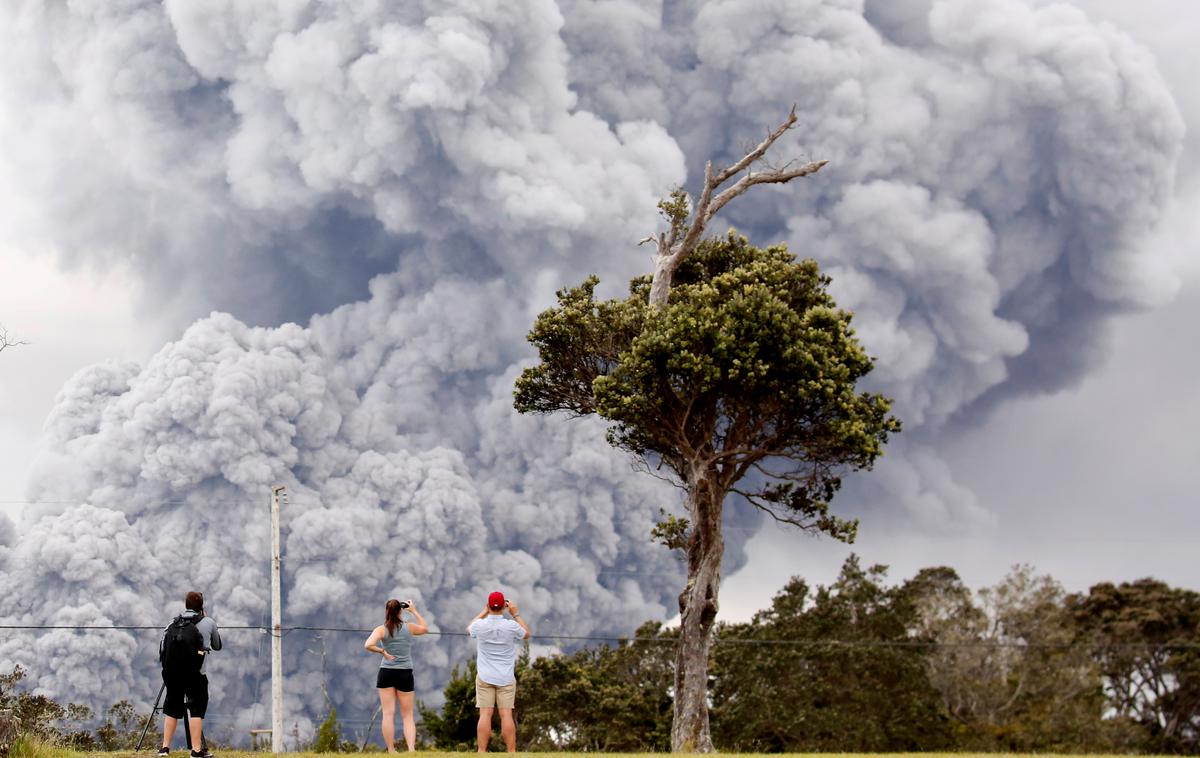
(6, 341)
(780, 176)
(672, 249)
(759, 151)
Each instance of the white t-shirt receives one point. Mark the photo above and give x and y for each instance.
(496, 644)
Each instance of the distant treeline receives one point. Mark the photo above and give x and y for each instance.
(861, 666)
(857, 666)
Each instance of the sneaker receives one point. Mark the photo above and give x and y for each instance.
(202, 753)
(164, 751)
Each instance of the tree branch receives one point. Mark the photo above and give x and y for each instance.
(759, 151)
(671, 249)
(6, 341)
(752, 499)
(776, 176)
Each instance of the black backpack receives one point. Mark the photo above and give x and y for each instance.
(181, 646)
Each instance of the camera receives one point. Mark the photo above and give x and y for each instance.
(403, 604)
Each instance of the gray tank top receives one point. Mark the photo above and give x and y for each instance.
(399, 645)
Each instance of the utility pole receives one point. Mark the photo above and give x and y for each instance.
(278, 498)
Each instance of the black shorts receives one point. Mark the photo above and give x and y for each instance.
(193, 687)
(399, 679)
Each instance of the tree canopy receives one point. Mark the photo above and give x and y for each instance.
(750, 367)
(852, 683)
(1146, 640)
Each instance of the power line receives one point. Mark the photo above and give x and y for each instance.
(156, 502)
(718, 640)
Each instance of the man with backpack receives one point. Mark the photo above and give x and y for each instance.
(184, 649)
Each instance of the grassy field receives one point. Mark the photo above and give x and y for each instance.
(36, 750)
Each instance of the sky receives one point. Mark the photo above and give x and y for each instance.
(304, 245)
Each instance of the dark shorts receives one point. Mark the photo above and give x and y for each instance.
(190, 687)
(399, 679)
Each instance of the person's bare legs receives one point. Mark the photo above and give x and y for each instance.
(197, 729)
(508, 729)
(483, 732)
(387, 704)
(406, 714)
(169, 724)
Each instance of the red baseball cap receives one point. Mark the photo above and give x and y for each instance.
(496, 601)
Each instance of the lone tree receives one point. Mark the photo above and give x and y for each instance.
(732, 368)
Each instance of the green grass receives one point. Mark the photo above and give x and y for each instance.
(232, 754)
(29, 749)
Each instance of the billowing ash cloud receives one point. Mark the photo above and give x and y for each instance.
(174, 462)
(292, 153)
(8, 533)
(994, 170)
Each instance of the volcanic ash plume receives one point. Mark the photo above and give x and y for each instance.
(175, 462)
(996, 172)
(423, 176)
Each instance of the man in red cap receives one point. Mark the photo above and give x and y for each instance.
(497, 639)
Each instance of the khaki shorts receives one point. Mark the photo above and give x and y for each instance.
(495, 696)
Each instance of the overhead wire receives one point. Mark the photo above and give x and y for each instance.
(717, 639)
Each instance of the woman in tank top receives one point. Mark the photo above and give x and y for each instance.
(393, 640)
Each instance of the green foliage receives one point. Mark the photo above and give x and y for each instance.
(1146, 636)
(454, 727)
(121, 728)
(742, 381)
(750, 366)
(1005, 666)
(676, 209)
(329, 735)
(836, 693)
(579, 341)
(671, 531)
(606, 699)
(35, 714)
(926, 665)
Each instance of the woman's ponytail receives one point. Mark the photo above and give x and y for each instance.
(392, 616)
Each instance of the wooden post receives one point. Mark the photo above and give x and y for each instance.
(278, 497)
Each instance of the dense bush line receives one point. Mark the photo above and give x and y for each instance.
(858, 666)
(37, 717)
(863, 666)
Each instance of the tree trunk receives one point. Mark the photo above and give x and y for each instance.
(698, 613)
(660, 285)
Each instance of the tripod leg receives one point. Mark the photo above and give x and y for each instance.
(187, 723)
(150, 718)
(370, 726)
(187, 728)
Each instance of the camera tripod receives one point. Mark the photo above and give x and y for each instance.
(187, 732)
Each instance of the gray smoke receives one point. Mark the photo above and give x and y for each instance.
(996, 169)
(8, 531)
(173, 462)
(441, 168)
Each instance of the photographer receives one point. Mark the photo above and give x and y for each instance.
(393, 640)
(183, 653)
(495, 664)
